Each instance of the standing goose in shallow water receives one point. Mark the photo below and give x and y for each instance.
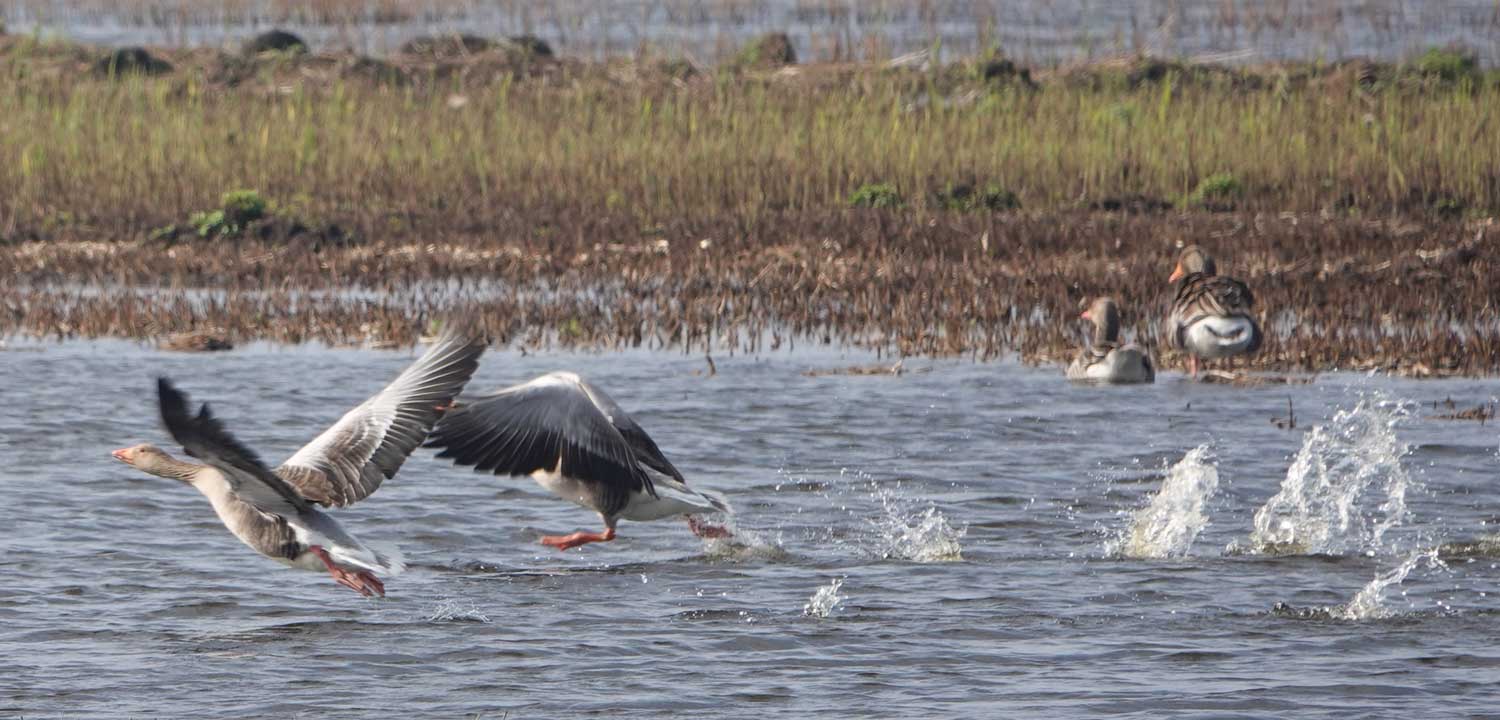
(1105, 359)
(577, 443)
(1211, 315)
(273, 511)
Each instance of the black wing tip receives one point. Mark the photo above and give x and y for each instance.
(165, 388)
(173, 402)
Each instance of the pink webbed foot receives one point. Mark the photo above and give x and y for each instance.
(362, 582)
(707, 530)
(568, 542)
(370, 582)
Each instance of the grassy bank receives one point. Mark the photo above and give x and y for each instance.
(963, 209)
(447, 144)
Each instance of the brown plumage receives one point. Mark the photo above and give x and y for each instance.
(1212, 316)
(1105, 359)
(273, 511)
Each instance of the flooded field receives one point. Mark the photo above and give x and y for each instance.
(836, 284)
(960, 540)
(1333, 295)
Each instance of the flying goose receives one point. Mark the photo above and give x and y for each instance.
(1212, 315)
(576, 442)
(273, 511)
(1105, 359)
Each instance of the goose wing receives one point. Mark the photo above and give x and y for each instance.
(369, 444)
(553, 423)
(204, 437)
(645, 448)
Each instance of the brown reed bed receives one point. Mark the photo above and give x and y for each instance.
(634, 203)
(1333, 293)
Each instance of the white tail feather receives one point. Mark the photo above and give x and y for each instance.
(717, 499)
(385, 561)
(673, 498)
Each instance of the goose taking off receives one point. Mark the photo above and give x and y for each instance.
(577, 443)
(273, 511)
(1105, 359)
(1211, 315)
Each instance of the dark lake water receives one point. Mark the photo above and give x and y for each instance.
(964, 540)
(1038, 31)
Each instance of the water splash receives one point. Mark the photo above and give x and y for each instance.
(1167, 526)
(1369, 602)
(454, 611)
(745, 544)
(1485, 546)
(823, 602)
(1322, 507)
(905, 532)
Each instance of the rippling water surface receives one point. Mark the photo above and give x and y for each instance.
(1036, 31)
(963, 540)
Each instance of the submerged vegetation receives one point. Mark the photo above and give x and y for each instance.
(917, 208)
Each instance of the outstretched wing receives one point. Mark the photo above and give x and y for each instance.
(548, 424)
(369, 444)
(645, 448)
(205, 438)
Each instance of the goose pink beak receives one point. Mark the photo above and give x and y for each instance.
(1085, 315)
(1176, 273)
(120, 454)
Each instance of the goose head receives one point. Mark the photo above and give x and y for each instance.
(1106, 318)
(152, 459)
(1193, 259)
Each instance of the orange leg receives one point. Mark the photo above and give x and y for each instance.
(568, 542)
(705, 530)
(1193, 365)
(362, 582)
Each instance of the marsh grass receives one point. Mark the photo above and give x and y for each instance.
(466, 141)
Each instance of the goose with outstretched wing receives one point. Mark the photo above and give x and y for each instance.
(577, 443)
(274, 511)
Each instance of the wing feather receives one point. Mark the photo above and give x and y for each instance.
(645, 449)
(369, 444)
(531, 427)
(204, 437)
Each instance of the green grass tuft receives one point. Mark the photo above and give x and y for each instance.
(882, 196)
(1449, 64)
(238, 208)
(1217, 190)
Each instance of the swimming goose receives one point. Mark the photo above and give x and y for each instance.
(1105, 359)
(273, 511)
(573, 439)
(1211, 315)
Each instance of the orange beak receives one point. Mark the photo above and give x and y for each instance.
(1176, 273)
(120, 455)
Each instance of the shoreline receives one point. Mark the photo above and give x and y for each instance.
(1380, 296)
